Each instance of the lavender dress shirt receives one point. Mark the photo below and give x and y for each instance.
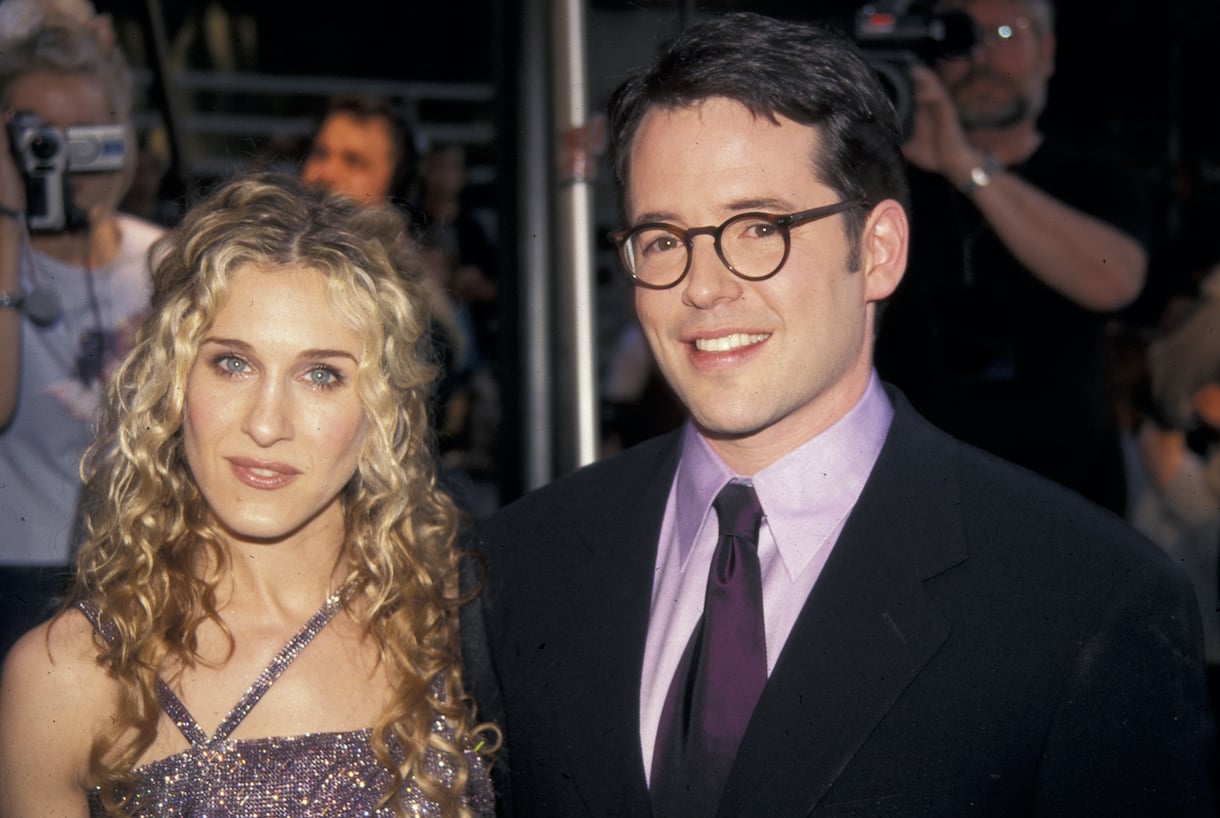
(806, 497)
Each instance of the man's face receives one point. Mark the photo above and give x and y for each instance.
(444, 172)
(762, 365)
(1003, 81)
(67, 100)
(354, 157)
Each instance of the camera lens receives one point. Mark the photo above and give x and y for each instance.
(43, 146)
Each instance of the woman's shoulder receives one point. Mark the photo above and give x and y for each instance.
(58, 662)
(54, 697)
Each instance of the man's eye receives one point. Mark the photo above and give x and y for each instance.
(759, 230)
(662, 243)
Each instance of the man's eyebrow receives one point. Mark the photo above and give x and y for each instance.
(768, 204)
(654, 216)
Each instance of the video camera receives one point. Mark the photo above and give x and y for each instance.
(46, 155)
(894, 37)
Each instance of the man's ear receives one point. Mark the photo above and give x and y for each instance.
(1047, 46)
(884, 243)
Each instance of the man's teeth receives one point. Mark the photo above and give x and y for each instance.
(727, 342)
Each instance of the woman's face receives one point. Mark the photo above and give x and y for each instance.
(274, 424)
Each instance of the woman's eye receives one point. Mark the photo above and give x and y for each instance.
(231, 364)
(323, 376)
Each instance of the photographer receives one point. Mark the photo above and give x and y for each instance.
(73, 278)
(1024, 248)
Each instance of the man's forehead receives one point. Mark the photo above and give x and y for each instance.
(759, 172)
(365, 124)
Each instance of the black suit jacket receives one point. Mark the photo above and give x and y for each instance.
(980, 642)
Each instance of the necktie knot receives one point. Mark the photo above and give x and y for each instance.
(738, 511)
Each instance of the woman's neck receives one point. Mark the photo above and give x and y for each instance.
(285, 578)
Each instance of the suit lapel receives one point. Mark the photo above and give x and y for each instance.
(866, 631)
(619, 535)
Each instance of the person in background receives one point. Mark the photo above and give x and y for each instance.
(264, 508)
(808, 601)
(1023, 249)
(73, 284)
(453, 233)
(448, 223)
(1178, 446)
(365, 149)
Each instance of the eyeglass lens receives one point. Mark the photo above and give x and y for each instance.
(752, 247)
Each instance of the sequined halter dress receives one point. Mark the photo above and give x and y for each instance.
(307, 775)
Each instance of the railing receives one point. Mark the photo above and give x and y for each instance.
(232, 120)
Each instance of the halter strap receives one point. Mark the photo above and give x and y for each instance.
(176, 710)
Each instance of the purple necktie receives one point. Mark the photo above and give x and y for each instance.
(721, 673)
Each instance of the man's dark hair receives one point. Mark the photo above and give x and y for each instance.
(363, 108)
(807, 73)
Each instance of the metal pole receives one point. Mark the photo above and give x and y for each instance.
(164, 91)
(574, 270)
(534, 207)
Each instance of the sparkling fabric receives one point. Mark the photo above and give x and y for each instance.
(722, 673)
(315, 774)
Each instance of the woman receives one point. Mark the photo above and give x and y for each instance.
(73, 292)
(262, 501)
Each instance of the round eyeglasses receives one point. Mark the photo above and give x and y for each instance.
(754, 246)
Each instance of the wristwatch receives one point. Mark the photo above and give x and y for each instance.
(980, 175)
(12, 301)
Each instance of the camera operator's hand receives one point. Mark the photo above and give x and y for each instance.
(12, 187)
(938, 144)
(12, 198)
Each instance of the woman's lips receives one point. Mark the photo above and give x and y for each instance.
(261, 474)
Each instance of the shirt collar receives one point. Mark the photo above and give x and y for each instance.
(806, 495)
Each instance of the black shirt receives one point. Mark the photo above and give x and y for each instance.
(991, 354)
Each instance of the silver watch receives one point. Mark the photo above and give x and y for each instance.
(980, 175)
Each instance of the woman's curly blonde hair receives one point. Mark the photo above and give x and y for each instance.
(147, 522)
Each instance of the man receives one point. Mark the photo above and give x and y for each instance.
(912, 627)
(364, 150)
(1023, 249)
(72, 289)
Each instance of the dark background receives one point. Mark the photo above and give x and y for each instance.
(1139, 76)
